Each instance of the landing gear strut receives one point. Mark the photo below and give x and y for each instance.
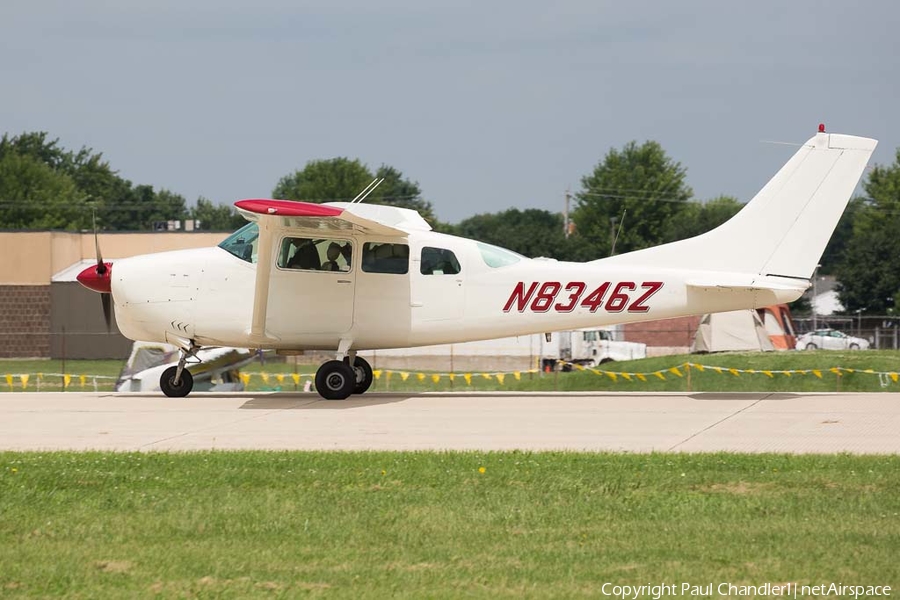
(177, 382)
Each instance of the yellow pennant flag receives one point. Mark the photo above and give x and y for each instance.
(296, 378)
(376, 373)
(435, 378)
(596, 371)
(786, 373)
(404, 375)
(626, 376)
(82, 379)
(611, 375)
(675, 371)
(279, 378)
(420, 376)
(698, 367)
(894, 377)
(734, 372)
(817, 373)
(641, 376)
(468, 378)
(451, 376)
(24, 380)
(387, 375)
(718, 370)
(67, 379)
(768, 373)
(265, 377)
(486, 375)
(517, 375)
(501, 377)
(9, 380)
(660, 375)
(245, 379)
(836, 371)
(869, 371)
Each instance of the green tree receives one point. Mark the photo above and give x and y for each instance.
(35, 196)
(530, 232)
(699, 217)
(869, 280)
(336, 179)
(342, 179)
(640, 182)
(216, 218)
(395, 190)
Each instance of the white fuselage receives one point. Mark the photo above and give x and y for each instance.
(207, 295)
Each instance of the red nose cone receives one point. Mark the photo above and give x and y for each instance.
(96, 278)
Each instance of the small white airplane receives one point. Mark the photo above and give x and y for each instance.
(349, 276)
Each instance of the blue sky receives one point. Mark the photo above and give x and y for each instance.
(488, 105)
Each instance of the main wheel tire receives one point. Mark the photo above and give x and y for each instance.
(854, 346)
(170, 388)
(811, 346)
(335, 380)
(363, 371)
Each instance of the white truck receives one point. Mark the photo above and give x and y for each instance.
(588, 347)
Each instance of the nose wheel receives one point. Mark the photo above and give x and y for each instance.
(177, 382)
(176, 387)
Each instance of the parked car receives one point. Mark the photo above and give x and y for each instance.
(830, 339)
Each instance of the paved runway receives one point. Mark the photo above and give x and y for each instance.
(705, 422)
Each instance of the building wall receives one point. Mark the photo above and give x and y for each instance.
(24, 321)
(33, 257)
(32, 318)
(668, 333)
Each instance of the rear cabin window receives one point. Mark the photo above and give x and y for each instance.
(438, 261)
(383, 257)
(319, 254)
(496, 257)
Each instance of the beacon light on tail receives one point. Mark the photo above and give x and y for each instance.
(347, 276)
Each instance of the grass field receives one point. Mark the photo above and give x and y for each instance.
(810, 371)
(413, 525)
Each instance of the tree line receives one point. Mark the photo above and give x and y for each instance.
(635, 197)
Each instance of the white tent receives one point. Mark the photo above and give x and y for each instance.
(735, 330)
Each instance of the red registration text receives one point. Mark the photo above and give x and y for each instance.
(541, 297)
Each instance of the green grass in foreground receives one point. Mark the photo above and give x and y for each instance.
(884, 361)
(259, 524)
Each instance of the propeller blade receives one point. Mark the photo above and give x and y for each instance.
(106, 300)
(101, 268)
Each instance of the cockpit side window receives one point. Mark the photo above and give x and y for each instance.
(384, 257)
(320, 254)
(243, 243)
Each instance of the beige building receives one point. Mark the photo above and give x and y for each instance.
(44, 312)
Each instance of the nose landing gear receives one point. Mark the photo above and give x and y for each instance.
(177, 382)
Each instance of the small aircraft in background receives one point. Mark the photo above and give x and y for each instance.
(214, 369)
(347, 276)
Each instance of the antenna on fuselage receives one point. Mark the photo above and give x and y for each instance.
(368, 190)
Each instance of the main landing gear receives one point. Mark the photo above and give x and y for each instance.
(337, 379)
(177, 382)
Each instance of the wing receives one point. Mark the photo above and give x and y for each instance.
(338, 216)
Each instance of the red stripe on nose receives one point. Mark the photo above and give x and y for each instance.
(96, 278)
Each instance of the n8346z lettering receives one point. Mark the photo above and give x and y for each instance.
(541, 297)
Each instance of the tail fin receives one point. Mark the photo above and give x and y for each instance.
(784, 229)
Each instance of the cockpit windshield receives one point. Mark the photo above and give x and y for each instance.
(243, 242)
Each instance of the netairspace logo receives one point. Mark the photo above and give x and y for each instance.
(788, 590)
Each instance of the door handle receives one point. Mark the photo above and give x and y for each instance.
(344, 281)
